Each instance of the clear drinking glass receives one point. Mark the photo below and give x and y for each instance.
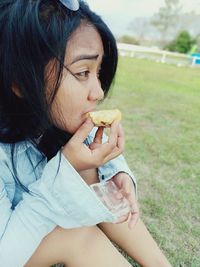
(107, 191)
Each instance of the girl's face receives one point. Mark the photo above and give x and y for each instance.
(80, 88)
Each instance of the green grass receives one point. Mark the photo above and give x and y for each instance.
(161, 117)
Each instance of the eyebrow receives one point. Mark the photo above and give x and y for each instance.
(84, 57)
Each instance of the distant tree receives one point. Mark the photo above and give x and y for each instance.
(127, 39)
(198, 43)
(167, 17)
(183, 43)
(139, 27)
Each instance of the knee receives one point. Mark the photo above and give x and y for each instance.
(87, 236)
(78, 238)
(73, 241)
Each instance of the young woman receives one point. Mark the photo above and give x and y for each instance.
(57, 60)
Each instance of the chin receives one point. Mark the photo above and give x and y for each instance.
(72, 129)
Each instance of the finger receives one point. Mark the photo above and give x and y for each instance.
(106, 151)
(97, 139)
(133, 221)
(93, 146)
(134, 215)
(99, 135)
(123, 218)
(120, 138)
(132, 200)
(109, 150)
(119, 143)
(124, 184)
(82, 133)
(114, 128)
(126, 190)
(113, 154)
(134, 209)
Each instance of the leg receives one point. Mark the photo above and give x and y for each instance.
(138, 243)
(84, 247)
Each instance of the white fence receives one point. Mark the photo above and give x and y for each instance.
(158, 55)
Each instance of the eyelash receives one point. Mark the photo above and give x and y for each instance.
(85, 74)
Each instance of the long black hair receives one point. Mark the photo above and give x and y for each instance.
(32, 33)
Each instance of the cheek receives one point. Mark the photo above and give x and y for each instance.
(68, 115)
(69, 105)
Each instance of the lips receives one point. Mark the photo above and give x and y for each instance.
(86, 115)
(90, 110)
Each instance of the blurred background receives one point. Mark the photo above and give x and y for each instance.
(170, 25)
(157, 88)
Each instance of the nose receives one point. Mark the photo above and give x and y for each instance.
(96, 92)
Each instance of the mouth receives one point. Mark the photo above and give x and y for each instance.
(90, 110)
(86, 115)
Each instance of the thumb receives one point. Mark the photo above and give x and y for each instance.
(82, 133)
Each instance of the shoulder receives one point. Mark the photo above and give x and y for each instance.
(25, 159)
(4, 150)
(22, 147)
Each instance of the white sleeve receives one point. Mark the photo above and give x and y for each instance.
(59, 197)
(114, 166)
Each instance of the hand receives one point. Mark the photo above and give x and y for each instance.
(127, 190)
(83, 157)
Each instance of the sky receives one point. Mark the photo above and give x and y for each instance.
(119, 13)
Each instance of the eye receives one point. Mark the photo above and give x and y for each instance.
(83, 75)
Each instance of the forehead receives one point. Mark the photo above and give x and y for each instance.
(85, 40)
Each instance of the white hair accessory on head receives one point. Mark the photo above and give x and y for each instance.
(70, 4)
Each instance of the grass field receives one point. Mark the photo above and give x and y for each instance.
(161, 117)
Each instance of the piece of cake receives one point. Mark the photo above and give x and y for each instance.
(105, 117)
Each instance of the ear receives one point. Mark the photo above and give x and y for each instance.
(16, 91)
